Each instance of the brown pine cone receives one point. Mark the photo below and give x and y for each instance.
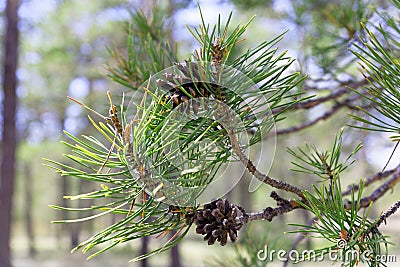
(217, 221)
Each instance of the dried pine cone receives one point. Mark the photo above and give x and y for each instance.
(217, 221)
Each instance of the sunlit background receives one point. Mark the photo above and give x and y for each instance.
(63, 52)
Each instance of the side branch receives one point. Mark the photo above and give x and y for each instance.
(384, 216)
(284, 206)
(326, 115)
(380, 191)
(370, 180)
(269, 213)
(261, 176)
(309, 123)
(307, 104)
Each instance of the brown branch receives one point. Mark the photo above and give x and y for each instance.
(370, 180)
(270, 213)
(307, 104)
(386, 215)
(329, 113)
(256, 173)
(310, 123)
(380, 191)
(284, 206)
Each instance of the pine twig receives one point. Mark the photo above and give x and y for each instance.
(386, 215)
(270, 213)
(371, 179)
(334, 95)
(284, 206)
(308, 104)
(365, 201)
(329, 113)
(259, 175)
(380, 191)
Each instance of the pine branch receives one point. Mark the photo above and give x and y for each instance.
(380, 68)
(354, 188)
(386, 215)
(338, 106)
(372, 179)
(381, 190)
(335, 94)
(259, 175)
(308, 124)
(284, 206)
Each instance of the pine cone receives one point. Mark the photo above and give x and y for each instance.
(217, 221)
(190, 84)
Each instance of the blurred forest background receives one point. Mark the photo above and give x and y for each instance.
(63, 49)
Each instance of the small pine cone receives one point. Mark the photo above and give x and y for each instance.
(217, 233)
(209, 227)
(217, 221)
(221, 205)
(189, 84)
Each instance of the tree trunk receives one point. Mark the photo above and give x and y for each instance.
(64, 228)
(28, 203)
(175, 255)
(8, 145)
(306, 216)
(76, 228)
(144, 250)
